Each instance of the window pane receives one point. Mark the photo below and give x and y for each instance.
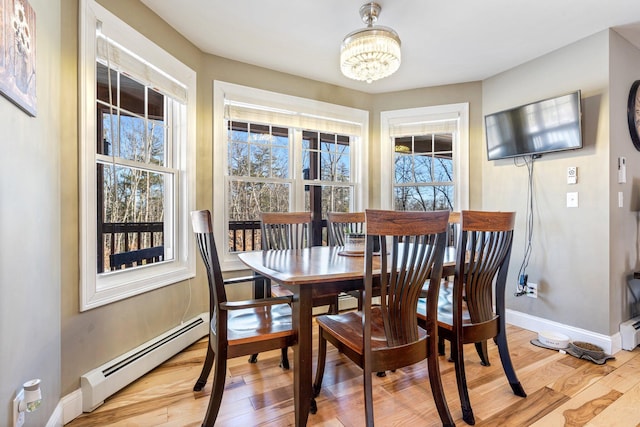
(132, 137)
(422, 168)
(423, 143)
(403, 145)
(443, 168)
(105, 145)
(155, 104)
(334, 199)
(445, 197)
(131, 206)
(423, 198)
(257, 150)
(327, 166)
(335, 166)
(423, 159)
(247, 199)
(103, 79)
(343, 169)
(260, 161)
(132, 95)
(238, 131)
(245, 202)
(156, 144)
(403, 168)
(238, 159)
(443, 143)
(326, 157)
(280, 162)
(259, 134)
(280, 136)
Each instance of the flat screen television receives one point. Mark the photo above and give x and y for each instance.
(546, 126)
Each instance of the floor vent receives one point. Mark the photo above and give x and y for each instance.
(107, 379)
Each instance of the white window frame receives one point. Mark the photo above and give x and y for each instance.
(100, 289)
(280, 102)
(411, 116)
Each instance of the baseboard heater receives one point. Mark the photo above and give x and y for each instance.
(114, 375)
(630, 333)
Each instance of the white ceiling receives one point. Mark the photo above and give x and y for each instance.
(443, 42)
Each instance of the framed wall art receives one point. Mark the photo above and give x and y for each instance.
(18, 54)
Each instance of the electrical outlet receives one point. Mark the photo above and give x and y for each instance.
(18, 417)
(532, 290)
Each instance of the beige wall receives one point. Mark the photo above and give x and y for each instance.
(30, 256)
(571, 250)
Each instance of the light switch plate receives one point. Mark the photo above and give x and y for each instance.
(572, 199)
(622, 170)
(572, 175)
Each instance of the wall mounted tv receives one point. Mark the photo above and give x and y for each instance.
(546, 126)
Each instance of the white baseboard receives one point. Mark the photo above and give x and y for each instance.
(56, 419)
(72, 406)
(610, 344)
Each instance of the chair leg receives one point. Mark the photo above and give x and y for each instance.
(322, 357)
(284, 358)
(333, 307)
(253, 358)
(507, 365)
(458, 357)
(483, 352)
(219, 372)
(440, 346)
(368, 397)
(437, 390)
(206, 369)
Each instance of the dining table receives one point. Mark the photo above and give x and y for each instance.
(310, 273)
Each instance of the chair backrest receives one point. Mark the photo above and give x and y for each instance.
(339, 224)
(453, 230)
(285, 230)
(415, 244)
(487, 238)
(201, 222)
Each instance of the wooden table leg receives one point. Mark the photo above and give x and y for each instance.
(302, 353)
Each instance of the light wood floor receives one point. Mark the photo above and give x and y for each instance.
(562, 391)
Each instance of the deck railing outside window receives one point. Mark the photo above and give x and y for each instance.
(130, 244)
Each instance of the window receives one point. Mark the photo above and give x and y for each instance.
(425, 158)
(137, 154)
(278, 153)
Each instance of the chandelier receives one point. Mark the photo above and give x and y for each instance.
(371, 53)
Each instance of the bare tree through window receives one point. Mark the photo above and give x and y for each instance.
(423, 172)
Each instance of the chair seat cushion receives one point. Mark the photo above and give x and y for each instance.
(260, 323)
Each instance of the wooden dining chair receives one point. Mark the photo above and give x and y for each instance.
(288, 230)
(339, 224)
(387, 337)
(482, 262)
(237, 328)
(285, 230)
